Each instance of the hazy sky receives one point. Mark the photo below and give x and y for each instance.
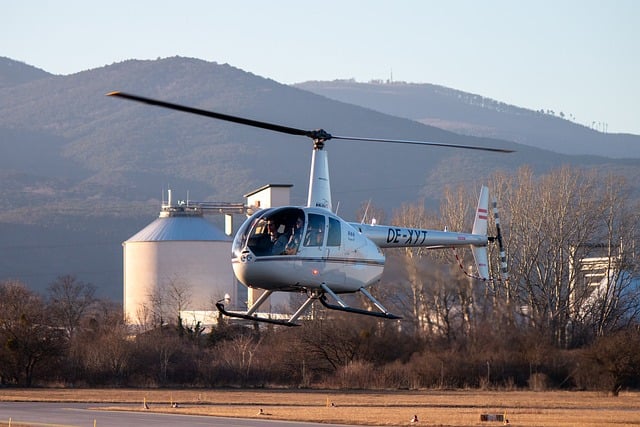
(581, 57)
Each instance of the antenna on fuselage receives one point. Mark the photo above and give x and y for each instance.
(366, 212)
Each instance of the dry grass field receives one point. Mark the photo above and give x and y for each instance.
(393, 408)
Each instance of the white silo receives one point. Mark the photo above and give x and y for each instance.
(179, 261)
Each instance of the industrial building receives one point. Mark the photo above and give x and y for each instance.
(180, 264)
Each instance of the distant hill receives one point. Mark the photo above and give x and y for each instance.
(14, 72)
(81, 172)
(476, 115)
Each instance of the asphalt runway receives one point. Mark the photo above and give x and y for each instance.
(86, 415)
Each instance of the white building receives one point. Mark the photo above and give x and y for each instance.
(178, 253)
(181, 261)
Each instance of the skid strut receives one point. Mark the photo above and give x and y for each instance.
(249, 315)
(342, 306)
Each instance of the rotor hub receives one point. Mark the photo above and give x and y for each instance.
(319, 136)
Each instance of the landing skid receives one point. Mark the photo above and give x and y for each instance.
(342, 306)
(316, 295)
(236, 315)
(250, 314)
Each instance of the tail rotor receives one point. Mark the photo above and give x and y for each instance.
(504, 272)
(480, 226)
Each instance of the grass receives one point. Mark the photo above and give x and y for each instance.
(392, 408)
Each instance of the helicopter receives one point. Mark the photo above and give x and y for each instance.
(310, 249)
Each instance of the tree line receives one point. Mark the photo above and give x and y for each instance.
(546, 325)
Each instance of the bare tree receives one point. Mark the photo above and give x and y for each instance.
(165, 304)
(443, 315)
(239, 353)
(27, 340)
(614, 302)
(456, 213)
(107, 358)
(155, 314)
(550, 216)
(551, 222)
(413, 259)
(616, 359)
(368, 212)
(441, 296)
(70, 299)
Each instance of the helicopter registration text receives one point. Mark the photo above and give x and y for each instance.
(410, 236)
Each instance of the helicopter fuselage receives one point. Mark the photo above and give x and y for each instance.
(273, 251)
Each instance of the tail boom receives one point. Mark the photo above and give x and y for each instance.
(385, 236)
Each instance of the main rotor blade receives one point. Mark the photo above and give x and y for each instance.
(435, 144)
(214, 115)
(317, 135)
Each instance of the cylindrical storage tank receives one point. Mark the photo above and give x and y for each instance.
(178, 262)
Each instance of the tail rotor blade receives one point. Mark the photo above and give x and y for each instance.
(504, 272)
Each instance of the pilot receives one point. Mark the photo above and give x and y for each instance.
(278, 240)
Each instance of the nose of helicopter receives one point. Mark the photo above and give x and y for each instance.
(240, 263)
(255, 274)
(274, 273)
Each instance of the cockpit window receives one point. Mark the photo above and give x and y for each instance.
(246, 229)
(335, 232)
(275, 232)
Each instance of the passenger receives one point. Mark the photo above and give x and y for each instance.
(314, 237)
(296, 237)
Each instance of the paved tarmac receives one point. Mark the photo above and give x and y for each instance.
(86, 415)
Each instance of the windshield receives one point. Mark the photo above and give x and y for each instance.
(275, 231)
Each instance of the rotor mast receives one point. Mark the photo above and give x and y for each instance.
(319, 184)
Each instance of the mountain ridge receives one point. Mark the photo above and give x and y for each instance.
(13, 72)
(477, 115)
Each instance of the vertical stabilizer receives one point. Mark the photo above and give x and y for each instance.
(480, 227)
(482, 212)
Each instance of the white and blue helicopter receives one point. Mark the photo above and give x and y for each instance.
(310, 249)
